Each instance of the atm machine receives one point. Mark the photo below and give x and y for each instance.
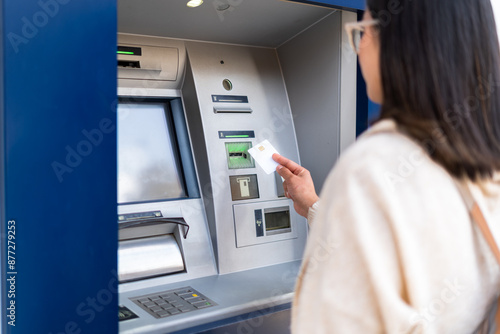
(206, 237)
(205, 234)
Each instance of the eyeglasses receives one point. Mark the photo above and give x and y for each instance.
(355, 32)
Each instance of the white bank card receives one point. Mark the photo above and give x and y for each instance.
(263, 154)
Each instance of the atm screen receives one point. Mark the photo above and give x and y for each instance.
(149, 166)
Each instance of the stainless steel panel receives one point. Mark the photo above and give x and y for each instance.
(256, 74)
(348, 87)
(312, 64)
(146, 257)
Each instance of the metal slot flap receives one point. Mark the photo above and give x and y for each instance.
(148, 257)
(165, 224)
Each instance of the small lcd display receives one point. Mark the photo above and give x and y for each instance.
(277, 220)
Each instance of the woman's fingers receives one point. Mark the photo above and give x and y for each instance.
(292, 166)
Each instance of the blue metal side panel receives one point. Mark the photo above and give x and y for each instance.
(3, 292)
(59, 153)
(352, 5)
(362, 103)
(373, 111)
(366, 110)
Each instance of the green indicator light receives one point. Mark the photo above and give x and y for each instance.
(237, 136)
(125, 52)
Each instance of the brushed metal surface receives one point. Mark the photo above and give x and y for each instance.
(256, 74)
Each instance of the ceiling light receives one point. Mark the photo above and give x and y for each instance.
(194, 3)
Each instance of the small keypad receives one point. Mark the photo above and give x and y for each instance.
(172, 302)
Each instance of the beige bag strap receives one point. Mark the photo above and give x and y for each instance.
(478, 217)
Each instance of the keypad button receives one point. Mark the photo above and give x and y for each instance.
(183, 292)
(163, 313)
(149, 304)
(167, 295)
(160, 302)
(202, 305)
(155, 308)
(190, 296)
(174, 311)
(167, 307)
(196, 300)
(143, 300)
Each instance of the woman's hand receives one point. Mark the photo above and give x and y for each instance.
(298, 184)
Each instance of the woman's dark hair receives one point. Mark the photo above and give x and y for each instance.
(440, 67)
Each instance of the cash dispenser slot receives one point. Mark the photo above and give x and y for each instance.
(148, 247)
(129, 63)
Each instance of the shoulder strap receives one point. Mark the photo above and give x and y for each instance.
(478, 217)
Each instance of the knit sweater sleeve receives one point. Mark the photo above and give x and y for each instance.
(311, 214)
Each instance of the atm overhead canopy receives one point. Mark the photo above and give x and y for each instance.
(352, 5)
(267, 23)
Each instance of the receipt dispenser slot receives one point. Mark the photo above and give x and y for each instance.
(244, 187)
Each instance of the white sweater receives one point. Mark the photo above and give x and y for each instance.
(392, 248)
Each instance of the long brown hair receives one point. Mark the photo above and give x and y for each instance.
(440, 66)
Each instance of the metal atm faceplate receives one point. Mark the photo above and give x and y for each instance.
(246, 223)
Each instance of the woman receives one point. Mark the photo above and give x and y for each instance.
(392, 247)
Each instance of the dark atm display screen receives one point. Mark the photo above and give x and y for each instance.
(277, 219)
(149, 167)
